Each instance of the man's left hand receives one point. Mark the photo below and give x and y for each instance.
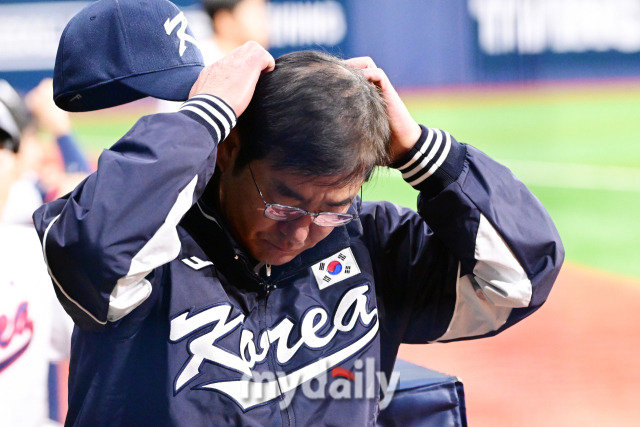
(405, 131)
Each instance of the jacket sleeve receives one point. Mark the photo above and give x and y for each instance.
(102, 240)
(483, 252)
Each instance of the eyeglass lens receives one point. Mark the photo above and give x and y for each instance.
(290, 213)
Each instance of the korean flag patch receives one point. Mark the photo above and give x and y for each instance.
(336, 268)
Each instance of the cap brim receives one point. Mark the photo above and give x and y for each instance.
(173, 84)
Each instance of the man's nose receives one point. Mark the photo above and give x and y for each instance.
(296, 231)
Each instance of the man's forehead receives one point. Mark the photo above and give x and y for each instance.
(297, 186)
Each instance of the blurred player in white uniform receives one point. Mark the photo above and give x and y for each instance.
(234, 23)
(34, 330)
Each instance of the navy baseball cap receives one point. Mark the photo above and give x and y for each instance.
(116, 51)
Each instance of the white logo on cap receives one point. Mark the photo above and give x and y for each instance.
(171, 25)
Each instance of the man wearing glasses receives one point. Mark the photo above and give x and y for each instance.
(231, 275)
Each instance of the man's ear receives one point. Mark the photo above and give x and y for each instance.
(228, 151)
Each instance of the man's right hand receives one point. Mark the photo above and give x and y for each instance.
(234, 77)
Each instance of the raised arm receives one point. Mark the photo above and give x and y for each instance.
(483, 252)
(119, 224)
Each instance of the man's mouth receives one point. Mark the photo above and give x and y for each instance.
(282, 249)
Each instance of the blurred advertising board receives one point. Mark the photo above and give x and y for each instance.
(418, 42)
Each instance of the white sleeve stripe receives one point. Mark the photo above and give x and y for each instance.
(498, 272)
(228, 111)
(213, 112)
(220, 105)
(44, 251)
(426, 159)
(473, 315)
(212, 103)
(436, 165)
(418, 155)
(485, 299)
(164, 246)
(205, 116)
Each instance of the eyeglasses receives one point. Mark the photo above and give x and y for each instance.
(278, 212)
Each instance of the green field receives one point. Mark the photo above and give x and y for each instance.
(576, 147)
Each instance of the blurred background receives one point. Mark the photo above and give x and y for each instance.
(551, 88)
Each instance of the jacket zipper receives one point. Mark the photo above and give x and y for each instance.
(268, 287)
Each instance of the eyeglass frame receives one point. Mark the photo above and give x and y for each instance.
(302, 211)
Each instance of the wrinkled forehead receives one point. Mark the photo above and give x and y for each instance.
(304, 178)
(302, 186)
(303, 167)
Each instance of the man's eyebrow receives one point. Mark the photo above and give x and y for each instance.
(345, 202)
(287, 192)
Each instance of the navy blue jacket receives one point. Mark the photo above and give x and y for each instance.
(176, 326)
